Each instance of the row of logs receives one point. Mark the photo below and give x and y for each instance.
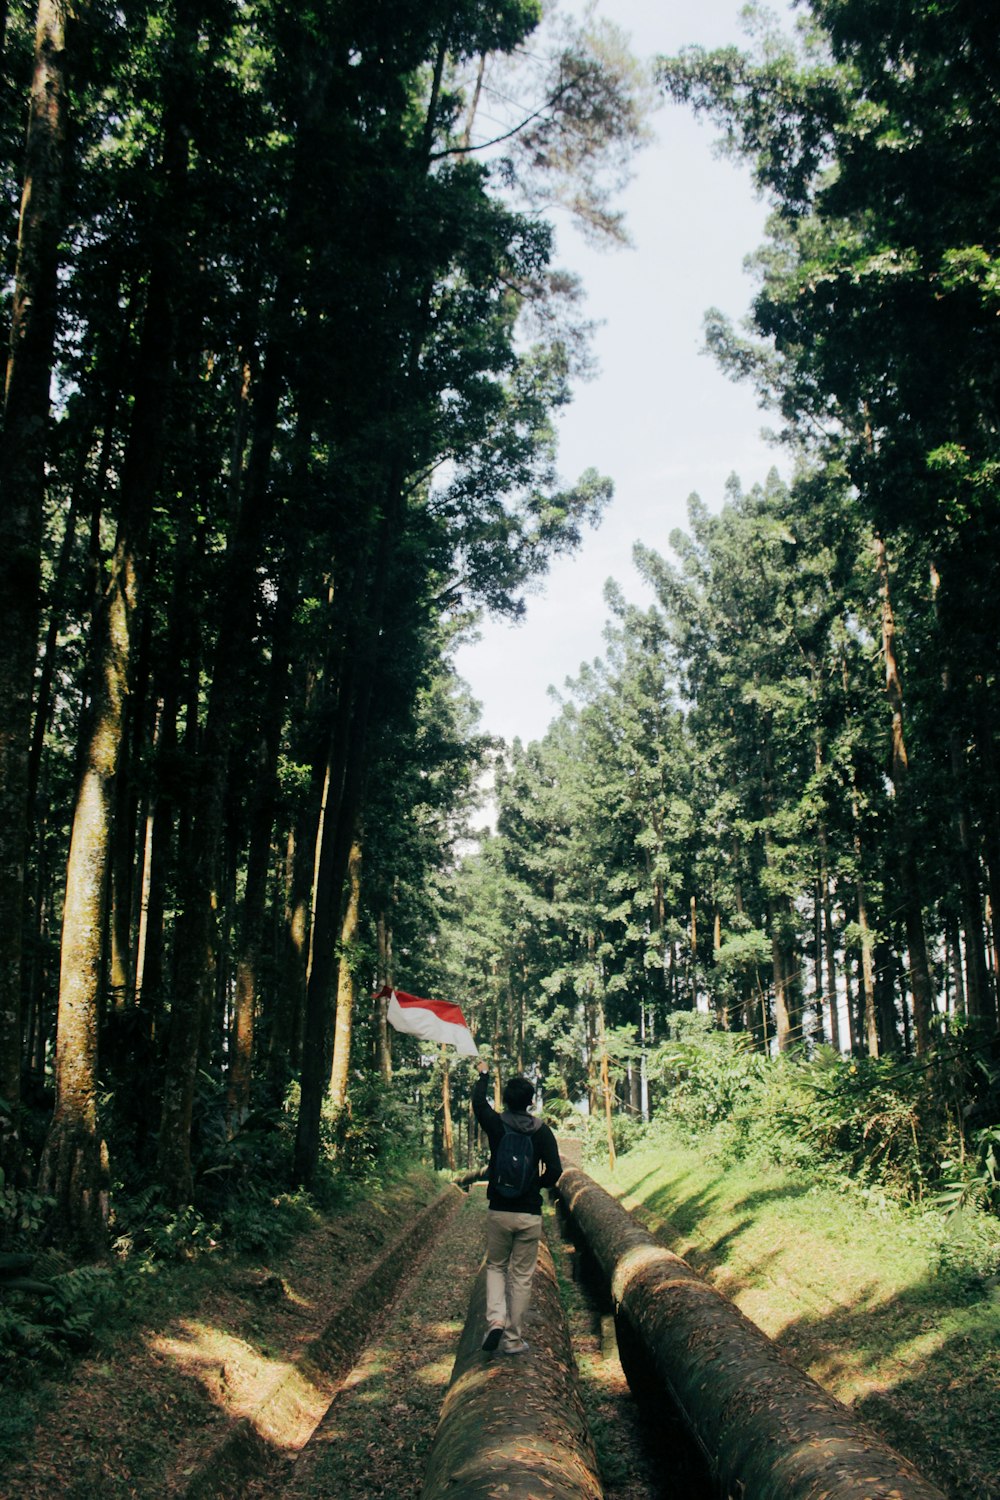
(514, 1426)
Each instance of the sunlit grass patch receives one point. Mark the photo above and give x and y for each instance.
(437, 1373)
(880, 1303)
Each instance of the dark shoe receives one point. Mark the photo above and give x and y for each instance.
(492, 1339)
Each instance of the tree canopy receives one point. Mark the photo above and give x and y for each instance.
(286, 348)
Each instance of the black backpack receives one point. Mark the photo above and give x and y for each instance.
(515, 1163)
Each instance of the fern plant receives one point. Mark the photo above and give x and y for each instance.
(48, 1312)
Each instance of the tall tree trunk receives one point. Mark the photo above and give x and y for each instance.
(885, 993)
(340, 817)
(71, 1159)
(782, 1020)
(150, 958)
(723, 1011)
(787, 1003)
(285, 1036)
(196, 929)
(830, 954)
(819, 1006)
(22, 490)
(144, 881)
(383, 1046)
(285, 1040)
(826, 947)
(991, 836)
(787, 1006)
(346, 982)
(977, 985)
(867, 1014)
(923, 1002)
(606, 1090)
(447, 1128)
(246, 996)
(82, 490)
(954, 948)
(74, 1164)
(347, 758)
(980, 997)
(121, 869)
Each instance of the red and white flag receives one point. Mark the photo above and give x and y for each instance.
(434, 1020)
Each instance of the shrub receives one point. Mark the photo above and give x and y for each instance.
(377, 1132)
(256, 1221)
(150, 1229)
(627, 1132)
(968, 1255)
(23, 1213)
(48, 1312)
(702, 1074)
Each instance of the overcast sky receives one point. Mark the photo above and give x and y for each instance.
(660, 418)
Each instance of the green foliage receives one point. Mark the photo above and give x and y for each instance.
(968, 1249)
(704, 1075)
(973, 1178)
(889, 1123)
(149, 1229)
(47, 1315)
(257, 1222)
(242, 1203)
(375, 1135)
(23, 1213)
(864, 1115)
(627, 1132)
(560, 1110)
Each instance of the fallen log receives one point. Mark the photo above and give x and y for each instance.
(514, 1425)
(768, 1430)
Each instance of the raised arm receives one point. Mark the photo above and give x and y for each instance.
(481, 1106)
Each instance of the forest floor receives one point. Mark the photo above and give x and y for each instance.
(157, 1408)
(200, 1347)
(203, 1386)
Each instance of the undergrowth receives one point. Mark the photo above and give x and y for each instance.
(243, 1206)
(918, 1133)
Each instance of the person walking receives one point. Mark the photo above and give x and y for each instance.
(514, 1194)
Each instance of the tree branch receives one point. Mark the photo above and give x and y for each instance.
(515, 130)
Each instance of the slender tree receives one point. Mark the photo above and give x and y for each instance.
(23, 451)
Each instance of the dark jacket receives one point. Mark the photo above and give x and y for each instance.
(546, 1150)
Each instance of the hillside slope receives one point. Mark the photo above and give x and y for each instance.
(875, 1302)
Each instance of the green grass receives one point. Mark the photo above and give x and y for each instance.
(882, 1305)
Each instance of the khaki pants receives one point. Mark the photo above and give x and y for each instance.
(511, 1251)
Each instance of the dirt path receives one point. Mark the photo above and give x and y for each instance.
(194, 1354)
(375, 1438)
(221, 1397)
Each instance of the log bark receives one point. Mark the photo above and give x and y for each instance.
(768, 1430)
(514, 1425)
